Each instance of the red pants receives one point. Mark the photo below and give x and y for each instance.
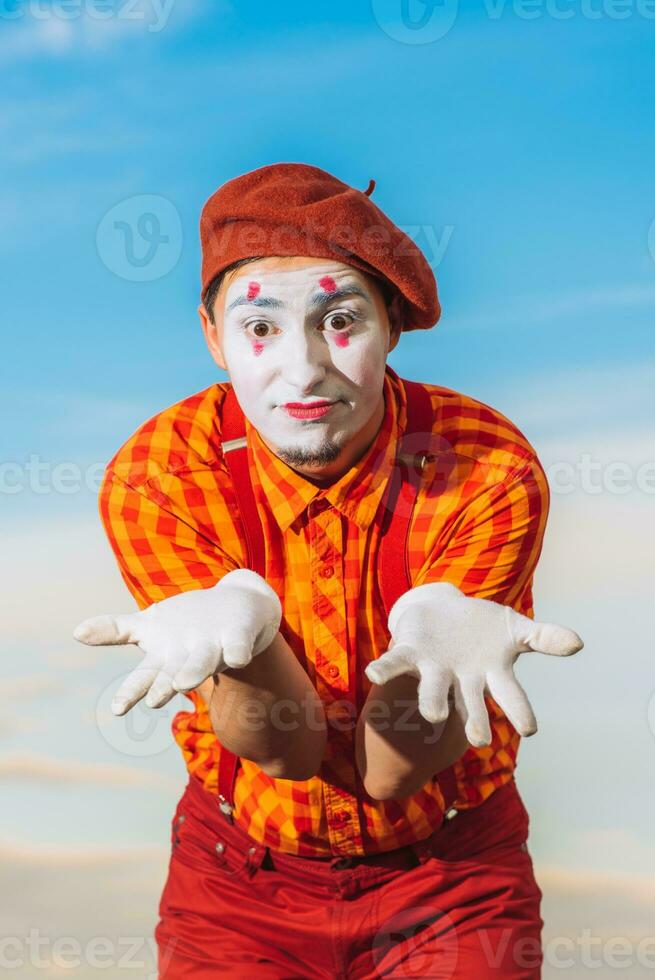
(463, 904)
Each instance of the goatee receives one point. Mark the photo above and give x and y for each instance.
(321, 456)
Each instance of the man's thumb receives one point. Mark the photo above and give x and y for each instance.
(558, 641)
(108, 630)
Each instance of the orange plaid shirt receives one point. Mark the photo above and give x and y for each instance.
(171, 518)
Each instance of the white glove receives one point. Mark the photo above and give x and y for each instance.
(448, 639)
(189, 637)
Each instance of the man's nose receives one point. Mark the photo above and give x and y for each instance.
(305, 361)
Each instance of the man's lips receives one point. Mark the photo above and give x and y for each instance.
(308, 410)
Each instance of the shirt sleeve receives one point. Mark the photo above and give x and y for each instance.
(496, 543)
(158, 553)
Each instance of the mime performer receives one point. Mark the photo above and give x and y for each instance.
(335, 566)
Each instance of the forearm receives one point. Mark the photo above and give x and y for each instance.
(270, 713)
(397, 750)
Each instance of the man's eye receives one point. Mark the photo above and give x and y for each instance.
(259, 327)
(339, 321)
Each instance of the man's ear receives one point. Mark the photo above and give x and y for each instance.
(211, 335)
(395, 312)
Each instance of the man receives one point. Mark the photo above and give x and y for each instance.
(335, 565)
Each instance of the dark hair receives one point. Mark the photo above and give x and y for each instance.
(387, 289)
(210, 294)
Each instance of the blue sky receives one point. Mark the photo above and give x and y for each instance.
(520, 150)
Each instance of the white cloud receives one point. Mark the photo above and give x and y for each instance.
(596, 924)
(13, 725)
(99, 902)
(524, 309)
(27, 766)
(30, 38)
(580, 405)
(25, 687)
(58, 573)
(40, 30)
(597, 417)
(27, 854)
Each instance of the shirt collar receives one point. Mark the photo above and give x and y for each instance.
(357, 493)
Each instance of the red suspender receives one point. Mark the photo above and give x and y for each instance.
(393, 570)
(236, 457)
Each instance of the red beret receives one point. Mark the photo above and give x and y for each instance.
(296, 209)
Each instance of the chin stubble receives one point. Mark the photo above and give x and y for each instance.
(297, 456)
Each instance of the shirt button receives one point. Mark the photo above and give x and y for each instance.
(327, 571)
(333, 671)
(341, 817)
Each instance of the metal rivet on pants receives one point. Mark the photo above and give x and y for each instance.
(220, 848)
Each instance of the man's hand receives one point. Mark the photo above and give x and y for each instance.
(450, 640)
(189, 637)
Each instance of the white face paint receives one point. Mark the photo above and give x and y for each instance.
(304, 330)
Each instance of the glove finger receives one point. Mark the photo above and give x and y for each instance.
(265, 638)
(196, 669)
(108, 630)
(478, 730)
(391, 664)
(433, 689)
(237, 651)
(557, 641)
(512, 699)
(161, 690)
(134, 686)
